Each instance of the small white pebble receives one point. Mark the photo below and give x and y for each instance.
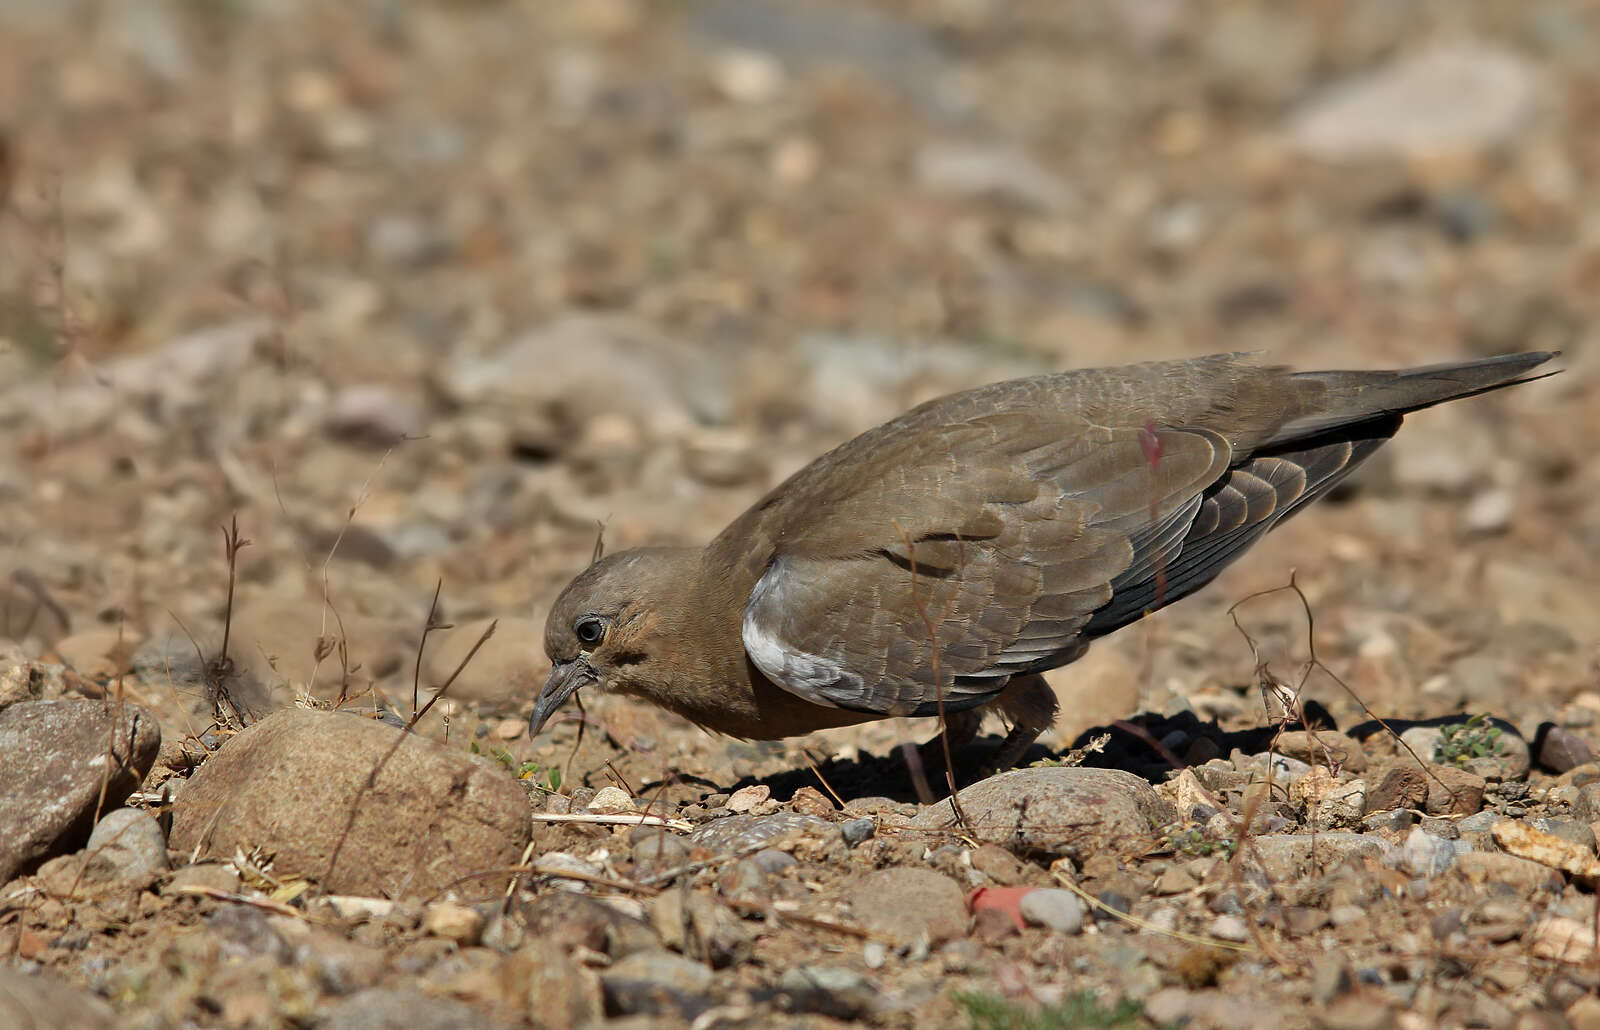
(453, 922)
(746, 798)
(1229, 928)
(611, 801)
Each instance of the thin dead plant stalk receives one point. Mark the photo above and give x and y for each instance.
(1315, 662)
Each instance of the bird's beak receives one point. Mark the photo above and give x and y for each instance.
(564, 681)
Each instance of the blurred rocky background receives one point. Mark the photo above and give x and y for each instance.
(424, 293)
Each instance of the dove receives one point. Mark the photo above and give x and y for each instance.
(938, 564)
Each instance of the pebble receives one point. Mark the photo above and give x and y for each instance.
(1561, 750)
(1361, 1010)
(1284, 856)
(1322, 747)
(737, 833)
(1453, 791)
(1580, 834)
(1443, 100)
(246, 931)
(1331, 977)
(1525, 841)
(569, 872)
(1402, 787)
(772, 861)
(453, 922)
(1393, 823)
(611, 801)
(1176, 879)
(578, 921)
(1424, 855)
(1565, 940)
(810, 801)
(53, 764)
(210, 875)
(127, 845)
(1489, 512)
(1475, 829)
(855, 831)
(341, 965)
(1303, 920)
(746, 798)
(1329, 802)
(1053, 908)
(656, 983)
(998, 864)
(658, 850)
(502, 933)
(744, 880)
(908, 904)
(374, 415)
(1522, 875)
(829, 990)
(1229, 928)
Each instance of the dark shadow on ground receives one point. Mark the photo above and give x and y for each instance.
(1148, 744)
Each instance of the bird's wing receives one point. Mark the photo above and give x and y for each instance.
(999, 537)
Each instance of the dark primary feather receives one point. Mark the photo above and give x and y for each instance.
(1013, 523)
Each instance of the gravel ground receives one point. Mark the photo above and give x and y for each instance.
(421, 294)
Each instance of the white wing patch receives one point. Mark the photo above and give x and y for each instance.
(819, 680)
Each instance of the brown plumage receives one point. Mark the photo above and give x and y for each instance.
(1011, 524)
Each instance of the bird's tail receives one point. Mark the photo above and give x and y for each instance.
(1335, 399)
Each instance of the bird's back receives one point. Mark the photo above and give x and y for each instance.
(1028, 516)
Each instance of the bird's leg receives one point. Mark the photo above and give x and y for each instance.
(960, 729)
(1031, 706)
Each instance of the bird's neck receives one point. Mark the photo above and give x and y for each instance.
(700, 602)
(713, 615)
(692, 614)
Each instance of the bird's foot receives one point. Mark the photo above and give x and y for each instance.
(1012, 748)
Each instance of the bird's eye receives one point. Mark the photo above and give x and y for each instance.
(589, 631)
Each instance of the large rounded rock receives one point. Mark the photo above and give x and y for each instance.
(1057, 811)
(55, 758)
(336, 800)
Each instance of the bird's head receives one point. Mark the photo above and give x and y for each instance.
(612, 625)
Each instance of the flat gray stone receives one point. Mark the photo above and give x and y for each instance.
(1056, 811)
(736, 833)
(53, 762)
(908, 904)
(1287, 856)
